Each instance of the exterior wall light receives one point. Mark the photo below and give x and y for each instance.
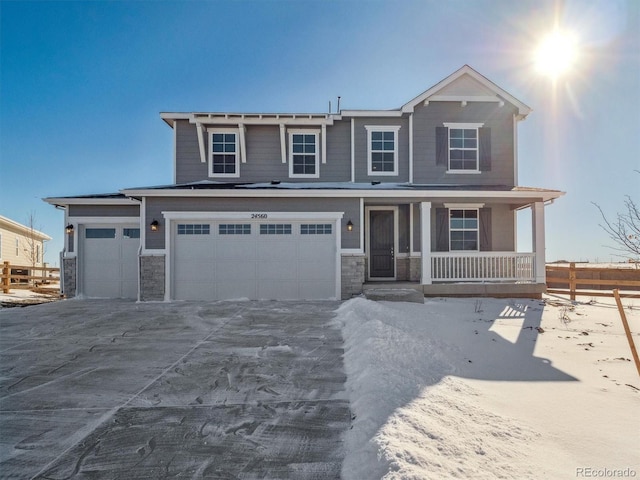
(69, 229)
(350, 226)
(154, 226)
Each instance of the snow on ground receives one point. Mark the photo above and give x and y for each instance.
(490, 388)
(24, 296)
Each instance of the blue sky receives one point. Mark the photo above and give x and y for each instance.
(82, 85)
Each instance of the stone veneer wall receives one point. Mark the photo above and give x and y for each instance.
(69, 279)
(152, 272)
(415, 268)
(352, 275)
(408, 269)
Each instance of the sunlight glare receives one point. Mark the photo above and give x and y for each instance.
(556, 54)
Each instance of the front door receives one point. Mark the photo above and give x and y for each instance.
(381, 244)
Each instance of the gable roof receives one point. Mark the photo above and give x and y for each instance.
(466, 77)
(463, 85)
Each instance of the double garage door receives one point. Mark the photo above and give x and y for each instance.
(109, 261)
(254, 259)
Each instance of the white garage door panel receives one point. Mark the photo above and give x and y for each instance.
(109, 261)
(278, 289)
(319, 290)
(130, 247)
(234, 289)
(281, 264)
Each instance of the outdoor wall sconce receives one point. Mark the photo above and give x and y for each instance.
(349, 226)
(69, 229)
(154, 226)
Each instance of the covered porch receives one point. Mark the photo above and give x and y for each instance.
(500, 267)
(457, 243)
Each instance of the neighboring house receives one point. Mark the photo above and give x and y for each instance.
(21, 246)
(312, 206)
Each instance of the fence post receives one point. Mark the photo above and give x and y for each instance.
(572, 280)
(5, 277)
(627, 330)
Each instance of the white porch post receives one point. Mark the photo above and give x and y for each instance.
(537, 228)
(425, 242)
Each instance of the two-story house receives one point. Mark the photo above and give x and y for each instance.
(313, 206)
(21, 246)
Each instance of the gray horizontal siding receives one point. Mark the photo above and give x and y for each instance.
(502, 227)
(499, 119)
(361, 149)
(264, 161)
(104, 211)
(189, 167)
(263, 156)
(350, 207)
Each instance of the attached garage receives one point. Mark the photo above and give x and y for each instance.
(109, 260)
(255, 256)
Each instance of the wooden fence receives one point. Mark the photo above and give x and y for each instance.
(13, 276)
(593, 281)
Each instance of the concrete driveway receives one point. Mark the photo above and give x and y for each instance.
(119, 390)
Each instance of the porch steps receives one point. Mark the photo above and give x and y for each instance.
(398, 292)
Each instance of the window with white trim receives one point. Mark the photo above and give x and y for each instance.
(193, 229)
(100, 233)
(234, 229)
(275, 229)
(303, 155)
(463, 230)
(382, 149)
(223, 154)
(131, 233)
(463, 147)
(315, 229)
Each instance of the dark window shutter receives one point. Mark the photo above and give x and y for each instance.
(442, 147)
(442, 229)
(485, 229)
(485, 148)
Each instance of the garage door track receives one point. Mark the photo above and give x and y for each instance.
(119, 390)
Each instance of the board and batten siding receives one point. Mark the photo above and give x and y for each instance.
(350, 206)
(263, 155)
(435, 114)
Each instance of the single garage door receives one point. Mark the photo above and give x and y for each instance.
(109, 261)
(254, 259)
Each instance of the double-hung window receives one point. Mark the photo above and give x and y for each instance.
(303, 154)
(463, 145)
(223, 154)
(382, 149)
(463, 229)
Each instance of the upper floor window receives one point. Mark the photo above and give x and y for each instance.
(382, 151)
(303, 155)
(463, 147)
(223, 155)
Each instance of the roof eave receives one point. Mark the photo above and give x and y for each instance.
(66, 201)
(516, 194)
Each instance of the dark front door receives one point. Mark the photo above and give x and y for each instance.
(381, 255)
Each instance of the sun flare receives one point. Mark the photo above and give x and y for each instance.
(556, 54)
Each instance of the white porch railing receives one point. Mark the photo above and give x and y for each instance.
(482, 267)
